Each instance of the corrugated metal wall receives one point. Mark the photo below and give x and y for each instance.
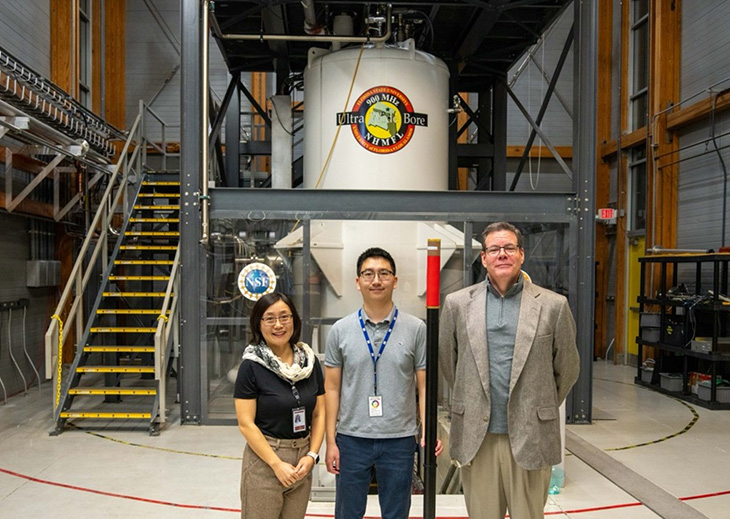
(152, 59)
(14, 252)
(530, 87)
(25, 32)
(705, 62)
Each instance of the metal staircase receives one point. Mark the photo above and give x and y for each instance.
(129, 335)
(116, 360)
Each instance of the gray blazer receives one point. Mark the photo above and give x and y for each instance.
(544, 368)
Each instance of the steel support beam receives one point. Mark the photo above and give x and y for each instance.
(192, 260)
(223, 110)
(13, 201)
(336, 204)
(494, 102)
(453, 159)
(579, 404)
(485, 135)
(499, 125)
(233, 138)
(254, 104)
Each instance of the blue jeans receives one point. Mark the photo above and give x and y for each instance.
(393, 462)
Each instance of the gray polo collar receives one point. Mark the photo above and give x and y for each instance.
(367, 319)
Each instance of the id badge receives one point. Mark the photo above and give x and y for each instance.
(375, 405)
(299, 419)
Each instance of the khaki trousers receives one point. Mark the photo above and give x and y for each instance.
(494, 482)
(262, 495)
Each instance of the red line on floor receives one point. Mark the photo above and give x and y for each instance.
(237, 510)
(122, 496)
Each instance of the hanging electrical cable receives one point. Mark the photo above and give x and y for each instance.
(25, 350)
(5, 392)
(724, 168)
(10, 350)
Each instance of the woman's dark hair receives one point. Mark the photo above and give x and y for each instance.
(263, 304)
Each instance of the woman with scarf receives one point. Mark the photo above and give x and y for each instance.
(279, 398)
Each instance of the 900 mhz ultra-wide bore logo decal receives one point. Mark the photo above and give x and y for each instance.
(382, 119)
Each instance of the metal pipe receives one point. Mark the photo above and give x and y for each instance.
(290, 37)
(658, 249)
(692, 145)
(310, 18)
(697, 155)
(433, 282)
(205, 108)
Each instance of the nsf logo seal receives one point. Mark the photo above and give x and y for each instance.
(256, 280)
(382, 120)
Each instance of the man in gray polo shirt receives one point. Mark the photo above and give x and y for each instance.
(375, 358)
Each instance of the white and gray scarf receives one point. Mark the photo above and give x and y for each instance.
(300, 369)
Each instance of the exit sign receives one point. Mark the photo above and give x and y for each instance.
(606, 215)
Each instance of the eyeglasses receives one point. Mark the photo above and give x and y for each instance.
(270, 320)
(509, 250)
(383, 274)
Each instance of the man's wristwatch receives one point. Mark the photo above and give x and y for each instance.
(314, 456)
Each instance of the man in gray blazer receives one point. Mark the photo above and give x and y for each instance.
(508, 352)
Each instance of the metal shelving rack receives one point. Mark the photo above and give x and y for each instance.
(711, 305)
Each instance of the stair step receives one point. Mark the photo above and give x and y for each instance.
(112, 391)
(154, 220)
(159, 195)
(140, 416)
(115, 369)
(149, 247)
(157, 207)
(170, 234)
(119, 349)
(143, 262)
(135, 294)
(129, 311)
(123, 329)
(139, 278)
(160, 183)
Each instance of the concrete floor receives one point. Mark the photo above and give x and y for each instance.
(191, 471)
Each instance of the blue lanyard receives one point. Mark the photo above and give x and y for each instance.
(382, 345)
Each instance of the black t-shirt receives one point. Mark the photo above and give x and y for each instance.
(275, 398)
